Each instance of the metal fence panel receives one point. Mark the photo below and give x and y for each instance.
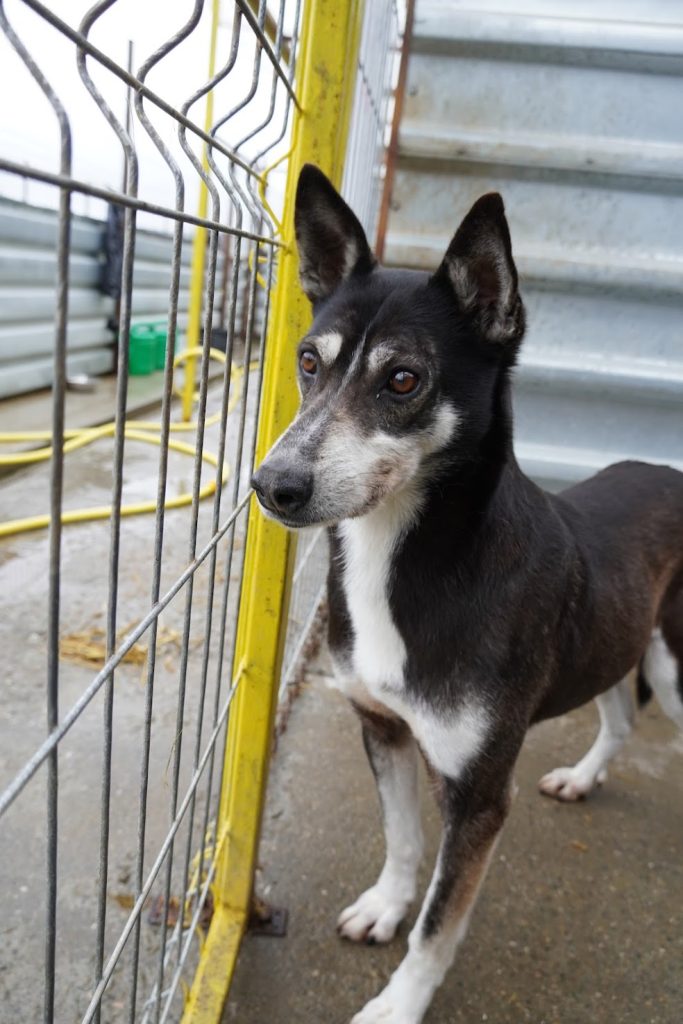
(174, 863)
(153, 647)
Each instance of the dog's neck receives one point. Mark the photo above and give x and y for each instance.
(443, 525)
(463, 497)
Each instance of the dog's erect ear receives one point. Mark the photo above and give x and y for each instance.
(331, 242)
(479, 267)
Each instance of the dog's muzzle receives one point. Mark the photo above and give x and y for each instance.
(282, 488)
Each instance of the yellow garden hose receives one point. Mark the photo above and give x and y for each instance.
(146, 431)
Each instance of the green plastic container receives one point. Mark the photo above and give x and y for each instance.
(160, 328)
(142, 349)
(160, 336)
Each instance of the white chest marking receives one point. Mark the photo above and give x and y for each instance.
(369, 541)
(379, 653)
(375, 676)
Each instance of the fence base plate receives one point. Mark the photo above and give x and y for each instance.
(267, 920)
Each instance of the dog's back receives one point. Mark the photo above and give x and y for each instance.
(628, 525)
(635, 502)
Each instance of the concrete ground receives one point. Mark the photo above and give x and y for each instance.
(580, 919)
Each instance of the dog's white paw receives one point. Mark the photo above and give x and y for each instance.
(569, 785)
(373, 918)
(384, 1010)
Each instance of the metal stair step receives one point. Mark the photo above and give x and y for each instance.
(602, 42)
(589, 269)
(608, 377)
(572, 111)
(545, 212)
(625, 161)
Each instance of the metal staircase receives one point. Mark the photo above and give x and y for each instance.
(574, 112)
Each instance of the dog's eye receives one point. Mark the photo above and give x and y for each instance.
(402, 382)
(308, 361)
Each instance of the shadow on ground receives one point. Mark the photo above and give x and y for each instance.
(580, 920)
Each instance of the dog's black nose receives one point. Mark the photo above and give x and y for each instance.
(282, 487)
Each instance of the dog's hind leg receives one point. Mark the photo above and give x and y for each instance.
(663, 671)
(392, 753)
(616, 709)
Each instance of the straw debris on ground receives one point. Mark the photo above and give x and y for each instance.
(88, 647)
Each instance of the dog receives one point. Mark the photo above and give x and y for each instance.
(465, 603)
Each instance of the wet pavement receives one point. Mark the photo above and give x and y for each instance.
(580, 920)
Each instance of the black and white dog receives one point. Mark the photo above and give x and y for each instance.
(465, 603)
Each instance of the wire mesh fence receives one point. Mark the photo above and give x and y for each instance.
(120, 621)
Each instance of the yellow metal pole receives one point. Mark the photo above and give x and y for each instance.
(326, 75)
(194, 316)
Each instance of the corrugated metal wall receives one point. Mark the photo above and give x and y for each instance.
(28, 237)
(574, 112)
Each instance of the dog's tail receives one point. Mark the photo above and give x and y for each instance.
(643, 688)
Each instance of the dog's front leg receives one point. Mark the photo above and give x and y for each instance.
(392, 753)
(472, 824)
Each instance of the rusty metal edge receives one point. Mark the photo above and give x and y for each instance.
(392, 151)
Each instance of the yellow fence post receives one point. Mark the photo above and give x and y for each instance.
(326, 76)
(194, 312)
